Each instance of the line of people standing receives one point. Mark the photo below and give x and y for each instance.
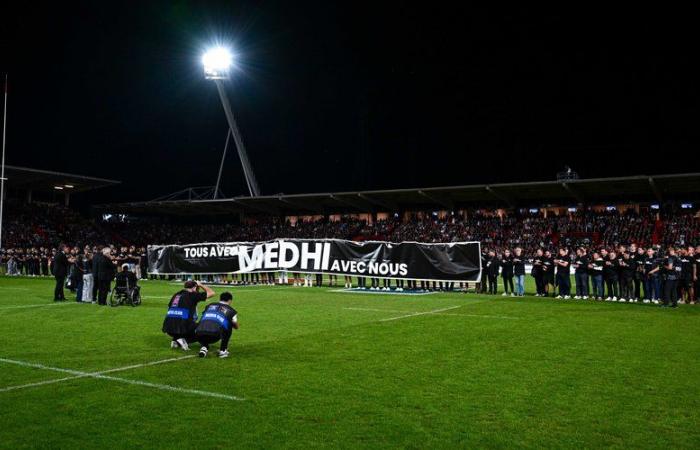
(622, 274)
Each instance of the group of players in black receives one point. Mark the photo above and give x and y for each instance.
(218, 321)
(622, 274)
(39, 261)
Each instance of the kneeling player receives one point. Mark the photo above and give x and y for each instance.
(218, 322)
(181, 318)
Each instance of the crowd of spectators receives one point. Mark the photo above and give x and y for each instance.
(38, 228)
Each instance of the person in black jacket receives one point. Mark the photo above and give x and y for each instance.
(507, 273)
(563, 276)
(492, 265)
(60, 272)
(595, 271)
(672, 272)
(103, 268)
(218, 322)
(581, 273)
(611, 269)
(626, 273)
(538, 273)
(519, 271)
(548, 271)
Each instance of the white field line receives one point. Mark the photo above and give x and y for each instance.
(233, 291)
(362, 291)
(486, 316)
(421, 313)
(101, 375)
(118, 369)
(39, 305)
(14, 288)
(86, 374)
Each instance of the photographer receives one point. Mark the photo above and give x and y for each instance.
(181, 319)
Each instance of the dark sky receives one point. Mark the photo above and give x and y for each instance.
(343, 95)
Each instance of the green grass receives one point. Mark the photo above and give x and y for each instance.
(534, 373)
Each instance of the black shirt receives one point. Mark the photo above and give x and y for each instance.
(686, 267)
(610, 269)
(598, 266)
(548, 266)
(181, 317)
(538, 265)
(518, 265)
(564, 269)
(650, 263)
(674, 272)
(217, 318)
(492, 266)
(60, 265)
(581, 264)
(507, 266)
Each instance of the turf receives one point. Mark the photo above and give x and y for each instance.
(317, 368)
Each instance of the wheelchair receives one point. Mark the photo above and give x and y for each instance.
(125, 295)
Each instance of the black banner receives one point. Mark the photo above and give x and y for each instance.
(457, 261)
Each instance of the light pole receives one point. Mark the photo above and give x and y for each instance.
(2, 170)
(217, 63)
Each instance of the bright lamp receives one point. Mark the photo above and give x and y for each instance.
(217, 62)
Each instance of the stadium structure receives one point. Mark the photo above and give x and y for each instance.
(637, 192)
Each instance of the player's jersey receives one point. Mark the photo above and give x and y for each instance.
(217, 318)
(181, 317)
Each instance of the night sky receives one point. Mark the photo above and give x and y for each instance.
(336, 96)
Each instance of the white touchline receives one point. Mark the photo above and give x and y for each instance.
(101, 375)
(39, 305)
(421, 313)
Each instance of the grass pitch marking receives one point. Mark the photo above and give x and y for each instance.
(102, 376)
(370, 292)
(39, 305)
(85, 375)
(486, 316)
(421, 313)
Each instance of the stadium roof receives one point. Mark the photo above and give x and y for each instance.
(24, 178)
(642, 188)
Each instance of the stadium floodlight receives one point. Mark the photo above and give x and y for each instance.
(217, 63)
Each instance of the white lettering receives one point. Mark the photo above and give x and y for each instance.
(307, 255)
(285, 263)
(270, 255)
